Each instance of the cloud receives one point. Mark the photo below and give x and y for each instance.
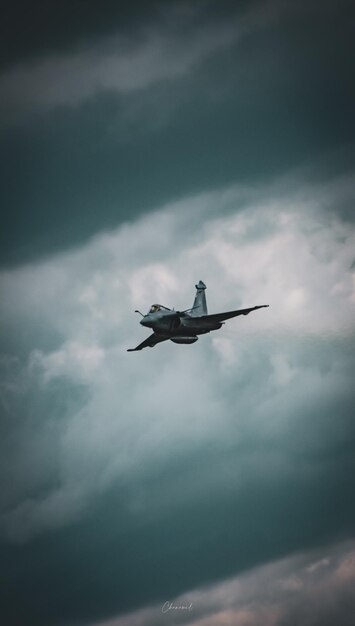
(116, 126)
(218, 456)
(179, 40)
(131, 479)
(293, 257)
(114, 64)
(294, 590)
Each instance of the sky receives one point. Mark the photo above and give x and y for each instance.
(146, 146)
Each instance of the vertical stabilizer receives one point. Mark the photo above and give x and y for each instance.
(199, 305)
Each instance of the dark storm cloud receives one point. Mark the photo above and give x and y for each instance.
(64, 24)
(31, 30)
(281, 94)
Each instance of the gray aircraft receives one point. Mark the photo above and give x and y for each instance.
(184, 326)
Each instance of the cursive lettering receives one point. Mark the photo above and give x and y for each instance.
(170, 606)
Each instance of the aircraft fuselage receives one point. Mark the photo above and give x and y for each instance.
(171, 325)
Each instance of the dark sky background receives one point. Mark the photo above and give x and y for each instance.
(236, 92)
(144, 146)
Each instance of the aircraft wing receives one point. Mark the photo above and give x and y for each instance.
(150, 342)
(219, 317)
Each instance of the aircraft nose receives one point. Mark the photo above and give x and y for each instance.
(143, 322)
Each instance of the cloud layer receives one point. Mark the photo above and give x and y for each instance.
(309, 588)
(112, 65)
(143, 150)
(252, 423)
(102, 131)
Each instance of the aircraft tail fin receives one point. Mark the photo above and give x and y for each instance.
(200, 305)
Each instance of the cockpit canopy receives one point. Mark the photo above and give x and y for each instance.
(158, 307)
(154, 308)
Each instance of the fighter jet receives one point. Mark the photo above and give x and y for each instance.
(184, 326)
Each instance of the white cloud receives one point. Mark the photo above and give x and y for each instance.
(73, 359)
(141, 408)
